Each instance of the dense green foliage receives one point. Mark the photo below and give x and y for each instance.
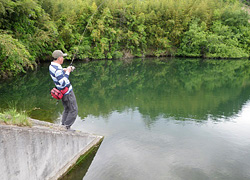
(14, 56)
(247, 2)
(120, 28)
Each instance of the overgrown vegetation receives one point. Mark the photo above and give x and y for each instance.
(32, 29)
(12, 117)
(247, 2)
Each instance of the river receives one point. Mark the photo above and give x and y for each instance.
(163, 119)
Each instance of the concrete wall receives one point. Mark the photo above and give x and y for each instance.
(42, 152)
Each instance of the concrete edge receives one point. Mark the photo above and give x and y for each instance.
(56, 127)
(72, 163)
(42, 126)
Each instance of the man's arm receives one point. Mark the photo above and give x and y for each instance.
(63, 77)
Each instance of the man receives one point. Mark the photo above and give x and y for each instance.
(60, 77)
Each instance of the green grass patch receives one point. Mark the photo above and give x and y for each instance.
(13, 117)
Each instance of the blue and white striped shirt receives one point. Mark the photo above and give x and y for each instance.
(60, 77)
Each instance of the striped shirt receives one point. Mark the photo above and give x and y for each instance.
(60, 77)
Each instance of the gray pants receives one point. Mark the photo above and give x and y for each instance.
(70, 109)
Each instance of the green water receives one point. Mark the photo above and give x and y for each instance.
(162, 118)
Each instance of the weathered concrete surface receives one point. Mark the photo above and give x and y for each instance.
(42, 152)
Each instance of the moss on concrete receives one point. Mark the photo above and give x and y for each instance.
(79, 169)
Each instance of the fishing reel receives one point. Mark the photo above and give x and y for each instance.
(72, 68)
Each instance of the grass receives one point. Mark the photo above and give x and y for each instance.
(13, 117)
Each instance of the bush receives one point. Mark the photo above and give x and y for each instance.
(223, 43)
(14, 57)
(220, 41)
(194, 41)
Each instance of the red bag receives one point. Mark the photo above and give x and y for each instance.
(58, 94)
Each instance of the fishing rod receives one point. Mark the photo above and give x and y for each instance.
(76, 51)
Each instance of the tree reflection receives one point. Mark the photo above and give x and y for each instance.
(178, 88)
(173, 88)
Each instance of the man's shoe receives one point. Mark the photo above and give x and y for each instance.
(69, 129)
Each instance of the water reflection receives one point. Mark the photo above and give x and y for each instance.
(162, 119)
(183, 89)
(170, 150)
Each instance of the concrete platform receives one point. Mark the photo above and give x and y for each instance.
(44, 151)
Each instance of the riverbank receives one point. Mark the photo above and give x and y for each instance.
(120, 29)
(43, 151)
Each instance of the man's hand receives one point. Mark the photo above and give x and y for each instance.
(68, 69)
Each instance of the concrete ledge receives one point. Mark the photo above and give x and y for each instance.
(46, 151)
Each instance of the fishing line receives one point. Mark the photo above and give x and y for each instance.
(76, 51)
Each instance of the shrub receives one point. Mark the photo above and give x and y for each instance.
(14, 57)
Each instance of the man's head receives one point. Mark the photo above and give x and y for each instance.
(58, 56)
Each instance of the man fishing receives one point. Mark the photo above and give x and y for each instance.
(60, 76)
